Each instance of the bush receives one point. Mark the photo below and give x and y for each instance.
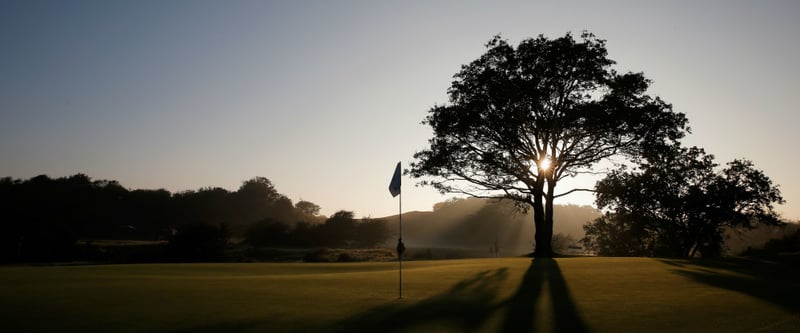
(199, 242)
(349, 255)
(787, 244)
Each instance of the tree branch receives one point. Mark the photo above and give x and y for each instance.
(574, 190)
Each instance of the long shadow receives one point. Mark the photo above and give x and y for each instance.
(467, 305)
(543, 272)
(567, 317)
(471, 302)
(521, 315)
(774, 281)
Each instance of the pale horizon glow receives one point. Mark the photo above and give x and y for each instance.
(323, 98)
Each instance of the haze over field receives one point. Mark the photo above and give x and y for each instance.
(479, 223)
(323, 98)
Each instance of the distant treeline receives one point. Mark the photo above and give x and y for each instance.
(42, 219)
(73, 218)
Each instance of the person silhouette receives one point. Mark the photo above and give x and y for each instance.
(401, 248)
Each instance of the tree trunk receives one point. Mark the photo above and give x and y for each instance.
(693, 251)
(543, 246)
(544, 222)
(546, 249)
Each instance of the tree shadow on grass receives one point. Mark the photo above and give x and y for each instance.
(467, 305)
(521, 315)
(772, 281)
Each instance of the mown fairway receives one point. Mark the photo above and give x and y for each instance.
(485, 295)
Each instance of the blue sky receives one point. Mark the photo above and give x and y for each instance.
(324, 97)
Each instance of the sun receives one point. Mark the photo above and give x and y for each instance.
(544, 164)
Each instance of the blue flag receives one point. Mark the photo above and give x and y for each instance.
(394, 186)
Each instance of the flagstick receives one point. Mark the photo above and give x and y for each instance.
(400, 208)
(394, 189)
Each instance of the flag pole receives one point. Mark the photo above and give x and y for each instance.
(400, 209)
(394, 189)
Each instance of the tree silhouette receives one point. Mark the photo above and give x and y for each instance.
(46, 219)
(338, 230)
(371, 232)
(676, 203)
(307, 207)
(268, 232)
(257, 198)
(521, 119)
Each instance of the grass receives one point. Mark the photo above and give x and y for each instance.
(479, 295)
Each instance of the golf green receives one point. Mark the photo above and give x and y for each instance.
(476, 295)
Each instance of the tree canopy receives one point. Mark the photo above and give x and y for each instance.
(307, 207)
(677, 202)
(521, 119)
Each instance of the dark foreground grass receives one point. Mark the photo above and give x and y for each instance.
(482, 295)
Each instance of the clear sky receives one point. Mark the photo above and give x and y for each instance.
(325, 97)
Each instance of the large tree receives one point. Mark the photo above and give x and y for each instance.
(521, 119)
(677, 202)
